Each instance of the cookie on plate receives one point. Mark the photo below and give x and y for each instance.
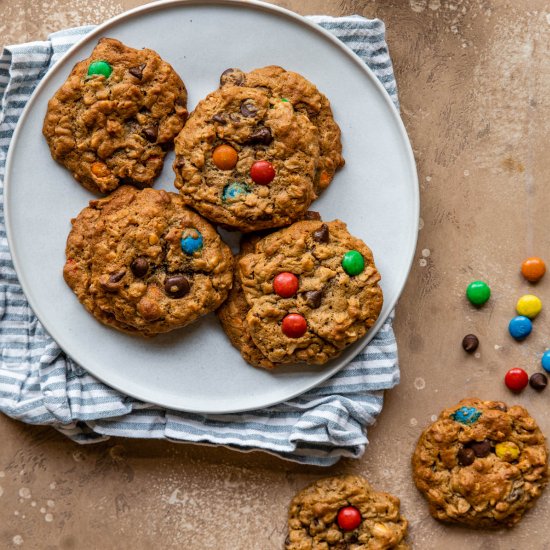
(143, 263)
(247, 159)
(311, 290)
(345, 512)
(113, 120)
(481, 464)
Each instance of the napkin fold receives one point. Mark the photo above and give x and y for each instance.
(39, 384)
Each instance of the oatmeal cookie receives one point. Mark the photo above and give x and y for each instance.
(115, 117)
(247, 160)
(481, 464)
(141, 262)
(312, 290)
(345, 513)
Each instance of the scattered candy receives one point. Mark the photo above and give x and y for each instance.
(176, 286)
(349, 518)
(234, 190)
(529, 306)
(262, 172)
(470, 343)
(516, 379)
(353, 262)
(465, 456)
(538, 381)
(533, 269)
(507, 451)
(225, 157)
(285, 284)
(481, 448)
(478, 293)
(140, 267)
(520, 327)
(466, 415)
(191, 240)
(545, 360)
(294, 325)
(321, 235)
(100, 67)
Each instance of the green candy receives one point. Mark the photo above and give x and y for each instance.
(353, 263)
(284, 100)
(100, 67)
(478, 293)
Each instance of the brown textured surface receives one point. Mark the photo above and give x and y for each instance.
(490, 488)
(313, 512)
(473, 84)
(107, 238)
(115, 130)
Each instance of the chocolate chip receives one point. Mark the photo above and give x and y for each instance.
(112, 283)
(260, 136)
(140, 267)
(321, 235)
(151, 133)
(115, 277)
(481, 448)
(500, 406)
(179, 101)
(219, 119)
(287, 540)
(232, 77)
(234, 117)
(248, 109)
(470, 343)
(137, 71)
(313, 298)
(176, 286)
(538, 381)
(466, 456)
(312, 215)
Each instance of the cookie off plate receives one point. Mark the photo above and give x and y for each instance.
(376, 194)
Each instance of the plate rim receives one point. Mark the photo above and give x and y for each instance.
(247, 5)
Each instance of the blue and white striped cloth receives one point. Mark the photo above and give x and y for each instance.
(39, 384)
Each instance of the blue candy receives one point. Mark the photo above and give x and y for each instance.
(520, 327)
(191, 240)
(234, 190)
(466, 415)
(545, 360)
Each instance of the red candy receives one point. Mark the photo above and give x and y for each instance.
(262, 172)
(349, 518)
(294, 325)
(285, 284)
(516, 379)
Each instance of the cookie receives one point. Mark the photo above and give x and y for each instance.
(247, 160)
(311, 289)
(481, 464)
(116, 116)
(143, 263)
(345, 513)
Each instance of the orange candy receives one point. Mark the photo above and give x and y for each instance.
(533, 269)
(100, 170)
(225, 157)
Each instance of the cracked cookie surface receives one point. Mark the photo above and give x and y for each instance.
(114, 126)
(313, 517)
(481, 464)
(141, 262)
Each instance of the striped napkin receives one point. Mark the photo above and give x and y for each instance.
(39, 384)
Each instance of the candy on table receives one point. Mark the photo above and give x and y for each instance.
(516, 379)
(545, 360)
(285, 284)
(520, 327)
(262, 172)
(529, 306)
(225, 157)
(466, 415)
(478, 292)
(100, 67)
(353, 262)
(533, 269)
(349, 518)
(191, 240)
(538, 381)
(234, 190)
(470, 343)
(507, 451)
(294, 325)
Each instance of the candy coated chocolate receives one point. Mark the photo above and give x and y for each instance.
(516, 379)
(529, 306)
(294, 325)
(285, 284)
(262, 172)
(466, 415)
(191, 240)
(100, 67)
(353, 262)
(520, 327)
(533, 269)
(478, 292)
(225, 157)
(465, 456)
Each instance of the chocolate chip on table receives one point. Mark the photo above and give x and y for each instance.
(140, 267)
(151, 133)
(466, 456)
(260, 136)
(313, 298)
(220, 119)
(470, 343)
(137, 71)
(176, 286)
(321, 235)
(248, 109)
(232, 76)
(481, 448)
(538, 381)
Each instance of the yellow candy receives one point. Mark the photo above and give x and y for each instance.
(507, 451)
(529, 305)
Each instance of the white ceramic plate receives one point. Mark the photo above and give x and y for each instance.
(196, 369)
